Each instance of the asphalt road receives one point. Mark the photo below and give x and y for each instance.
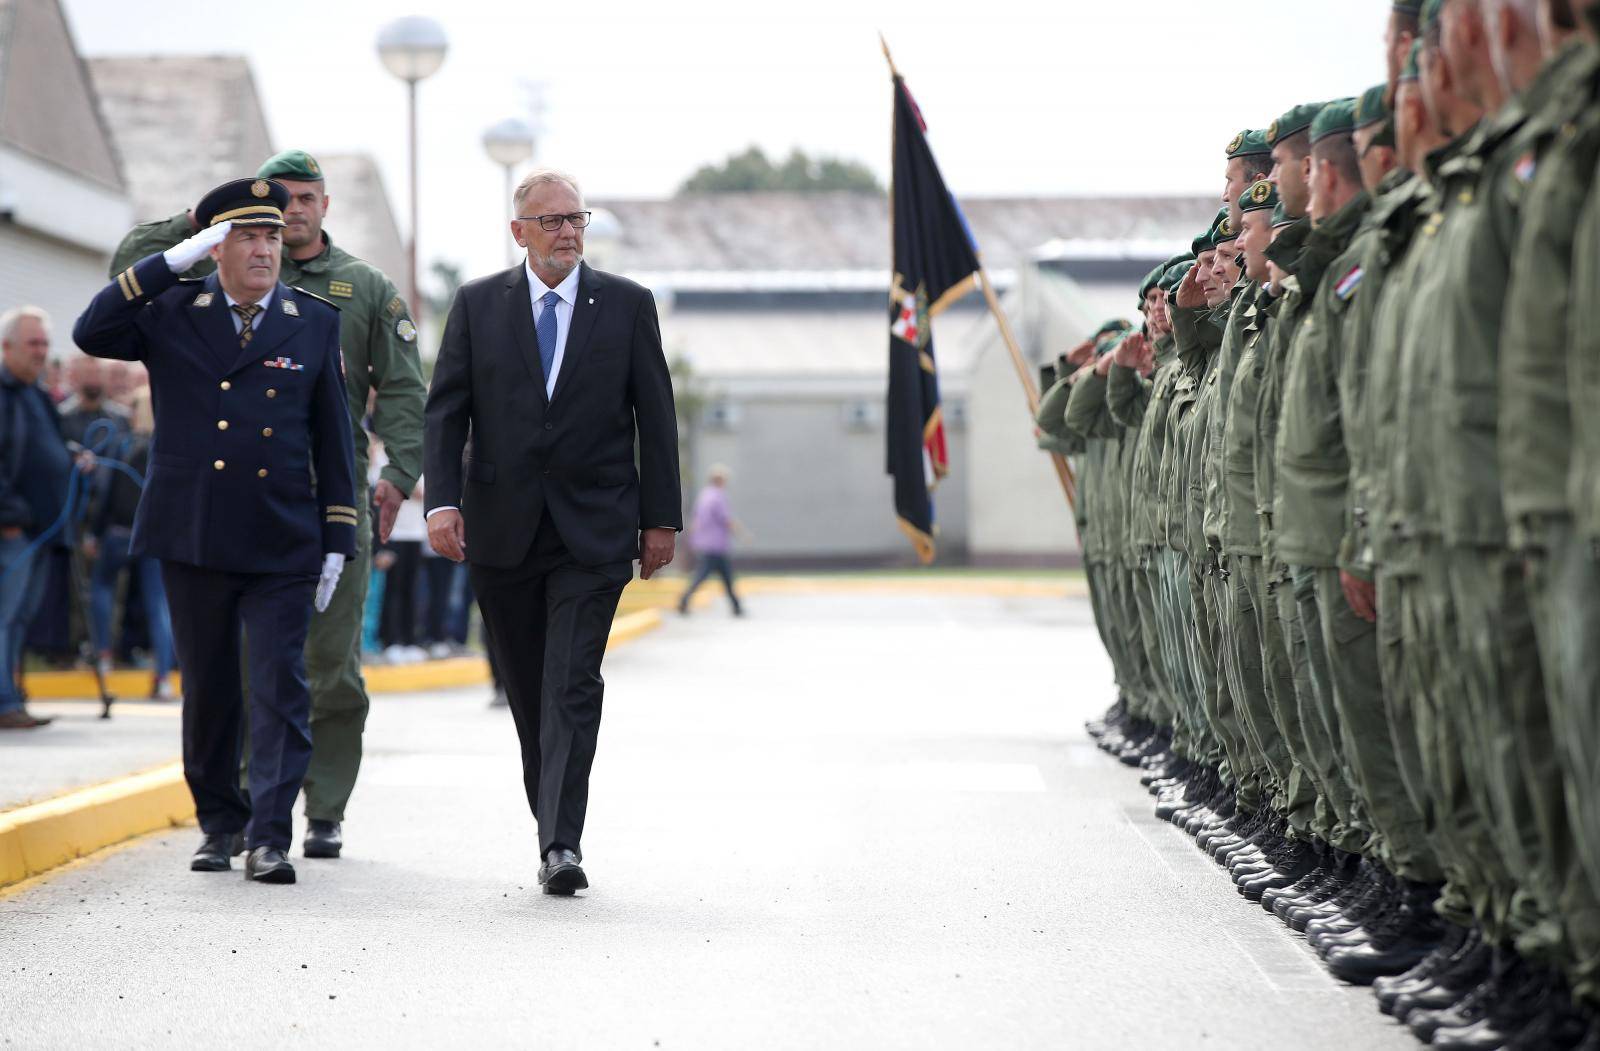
(855, 820)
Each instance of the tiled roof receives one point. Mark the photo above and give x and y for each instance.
(47, 104)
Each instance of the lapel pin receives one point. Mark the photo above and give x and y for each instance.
(203, 300)
(291, 308)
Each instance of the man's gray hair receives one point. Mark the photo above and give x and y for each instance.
(540, 177)
(12, 319)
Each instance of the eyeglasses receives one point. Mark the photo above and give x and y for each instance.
(553, 222)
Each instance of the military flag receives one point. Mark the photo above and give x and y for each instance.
(935, 264)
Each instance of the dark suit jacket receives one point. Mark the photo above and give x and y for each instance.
(238, 431)
(573, 454)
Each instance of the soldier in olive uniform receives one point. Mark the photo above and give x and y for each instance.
(379, 342)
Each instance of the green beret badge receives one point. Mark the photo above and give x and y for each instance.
(406, 330)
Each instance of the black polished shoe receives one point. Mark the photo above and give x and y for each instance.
(324, 839)
(561, 873)
(268, 865)
(215, 850)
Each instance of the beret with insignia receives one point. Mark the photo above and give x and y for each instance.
(1335, 118)
(244, 202)
(1293, 122)
(1249, 144)
(1225, 231)
(1150, 280)
(291, 164)
(1215, 234)
(1260, 196)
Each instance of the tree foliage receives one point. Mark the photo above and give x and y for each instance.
(752, 171)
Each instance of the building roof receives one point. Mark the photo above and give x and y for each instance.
(840, 233)
(183, 124)
(360, 217)
(47, 104)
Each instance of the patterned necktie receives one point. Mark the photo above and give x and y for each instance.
(247, 314)
(545, 329)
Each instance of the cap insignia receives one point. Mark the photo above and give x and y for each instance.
(260, 188)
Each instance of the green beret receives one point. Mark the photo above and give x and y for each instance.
(1293, 122)
(1412, 69)
(1213, 233)
(1249, 144)
(1371, 108)
(1175, 274)
(1114, 327)
(297, 165)
(1281, 216)
(1260, 196)
(1335, 118)
(1224, 231)
(1150, 280)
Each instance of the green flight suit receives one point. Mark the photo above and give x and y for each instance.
(1334, 819)
(378, 342)
(1553, 178)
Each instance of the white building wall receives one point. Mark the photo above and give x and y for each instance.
(43, 272)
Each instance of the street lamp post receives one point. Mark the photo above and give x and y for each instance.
(509, 143)
(413, 49)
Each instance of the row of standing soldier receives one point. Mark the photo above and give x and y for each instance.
(1340, 508)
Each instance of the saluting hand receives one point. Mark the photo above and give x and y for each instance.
(187, 253)
(1082, 354)
(1190, 294)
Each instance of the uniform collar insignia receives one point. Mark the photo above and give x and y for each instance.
(290, 307)
(203, 300)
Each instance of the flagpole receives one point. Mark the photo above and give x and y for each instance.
(1069, 483)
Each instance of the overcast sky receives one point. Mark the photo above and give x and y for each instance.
(1020, 97)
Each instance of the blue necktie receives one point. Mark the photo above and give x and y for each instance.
(545, 329)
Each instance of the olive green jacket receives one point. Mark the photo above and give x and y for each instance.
(1313, 470)
(1288, 251)
(1216, 413)
(1241, 526)
(1088, 417)
(1553, 177)
(1142, 406)
(376, 335)
(1198, 339)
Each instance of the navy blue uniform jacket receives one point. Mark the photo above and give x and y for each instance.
(239, 432)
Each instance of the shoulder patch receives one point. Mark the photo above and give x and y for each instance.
(396, 307)
(342, 289)
(405, 330)
(1525, 167)
(1348, 284)
(313, 295)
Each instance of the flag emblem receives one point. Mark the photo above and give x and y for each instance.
(1348, 284)
(1525, 167)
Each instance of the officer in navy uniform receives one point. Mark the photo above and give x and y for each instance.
(249, 503)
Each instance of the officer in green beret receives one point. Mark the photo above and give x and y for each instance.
(1373, 138)
(1249, 159)
(379, 341)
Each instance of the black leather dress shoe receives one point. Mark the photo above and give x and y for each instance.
(268, 865)
(324, 839)
(561, 873)
(215, 850)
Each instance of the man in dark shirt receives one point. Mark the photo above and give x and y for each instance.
(35, 470)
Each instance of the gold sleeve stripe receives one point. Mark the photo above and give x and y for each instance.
(336, 517)
(133, 282)
(340, 507)
(122, 283)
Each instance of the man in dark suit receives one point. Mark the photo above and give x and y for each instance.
(551, 368)
(249, 502)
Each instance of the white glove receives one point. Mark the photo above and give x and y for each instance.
(332, 566)
(185, 254)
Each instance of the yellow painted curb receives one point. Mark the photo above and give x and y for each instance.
(381, 678)
(43, 835)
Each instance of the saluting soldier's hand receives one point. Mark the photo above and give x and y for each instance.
(655, 550)
(1082, 354)
(187, 253)
(1190, 294)
(387, 498)
(448, 534)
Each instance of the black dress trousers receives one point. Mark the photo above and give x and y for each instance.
(548, 620)
(209, 609)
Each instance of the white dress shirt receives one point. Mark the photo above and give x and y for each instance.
(537, 289)
(264, 302)
(568, 291)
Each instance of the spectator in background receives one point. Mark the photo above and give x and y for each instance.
(35, 473)
(399, 628)
(106, 546)
(711, 539)
(87, 401)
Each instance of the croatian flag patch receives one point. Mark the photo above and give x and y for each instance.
(1348, 283)
(1525, 167)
